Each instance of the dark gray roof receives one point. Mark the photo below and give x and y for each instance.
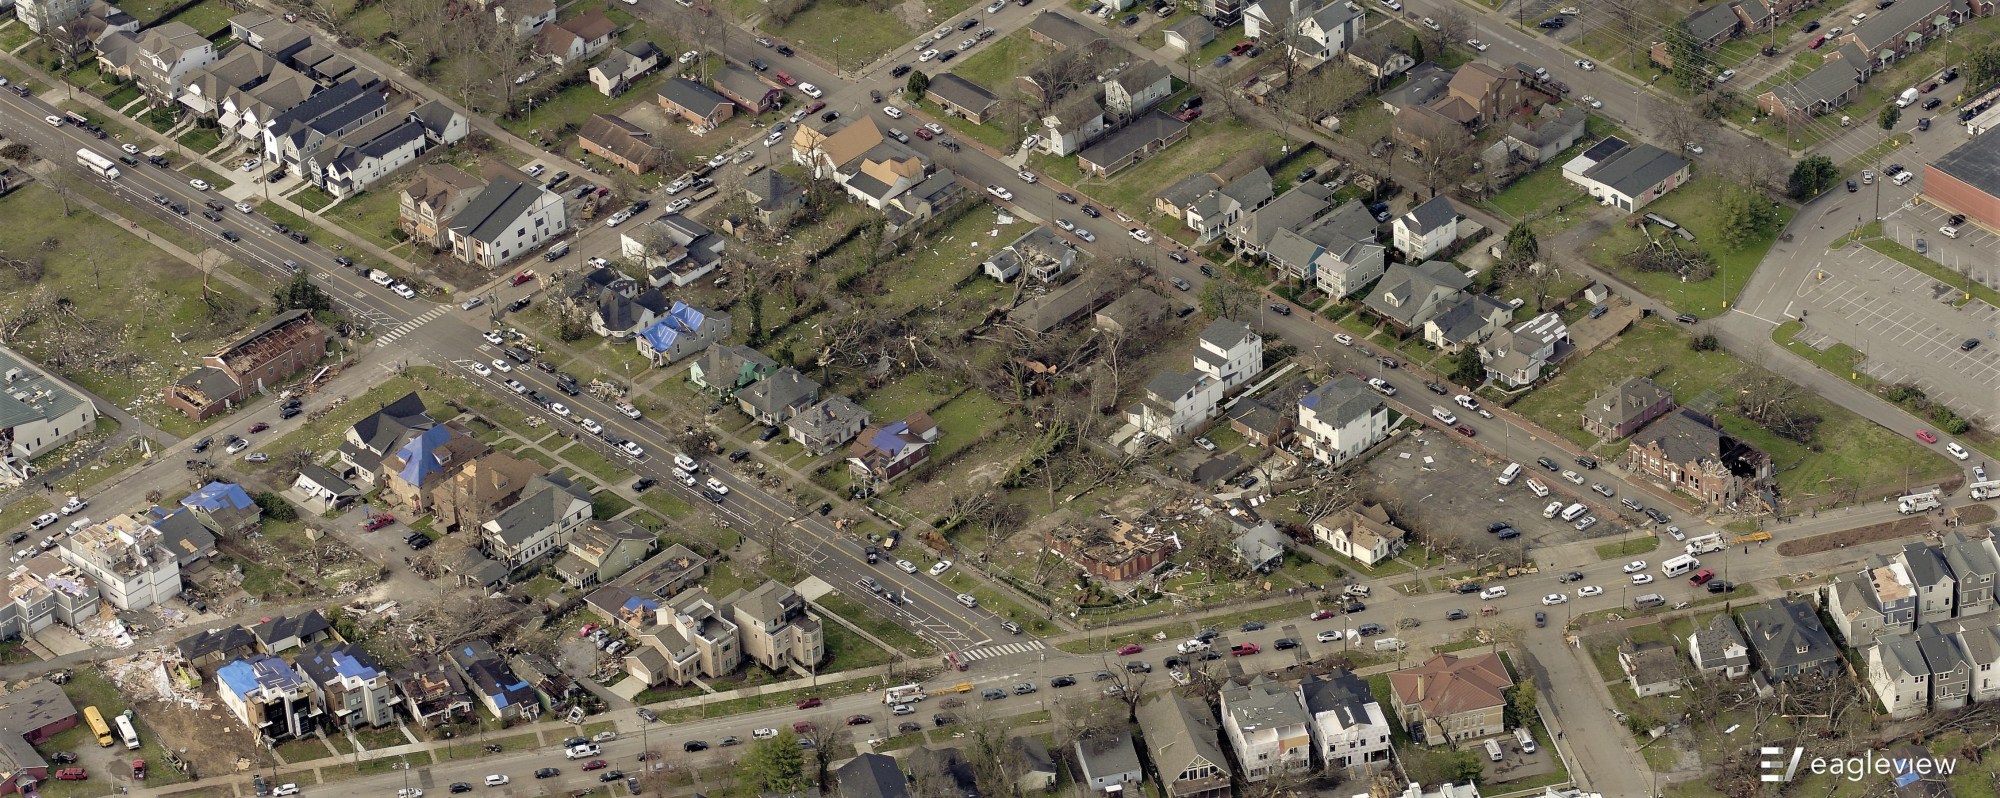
(1462, 321)
(1887, 25)
(1433, 214)
(1634, 169)
(45, 397)
(1035, 756)
(1138, 76)
(1423, 83)
(300, 626)
(1142, 133)
(1714, 639)
(1826, 84)
(871, 775)
(1684, 436)
(1340, 692)
(1226, 334)
(691, 95)
(325, 478)
(1712, 21)
(1968, 557)
(1941, 652)
(1786, 634)
(496, 208)
(1100, 757)
(962, 93)
(742, 84)
(1170, 385)
(1178, 731)
(1341, 400)
(229, 640)
(383, 429)
(1334, 14)
(1415, 284)
(1290, 211)
(1625, 401)
(542, 503)
(783, 389)
(1603, 149)
(1064, 30)
(1975, 163)
(1927, 566)
(213, 383)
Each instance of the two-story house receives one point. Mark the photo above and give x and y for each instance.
(354, 689)
(1336, 253)
(1230, 352)
(1468, 322)
(1936, 586)
(1267, 725)
(1342, 419)
(577, 39)
(1787, 640)
(1450, 698)
(1349, 729)
(1899, 675)
(1717, 648)
(828, 425)
(1181, 739)
(602, 551)
(884, 452)
(777, 397)
(616, 72)
(165, 55)
(1072, 124)
(427, 203)
(1326, 32)
(1950, 668)
(1516, 357)
(1411, 294)
(1981, 644)
(1626, 407)
(267, 695)
(1974, 563)
(538, 525)
(492, 682)
(1427, 229)
(724, 369)
(674, 249)
(1137, 88)
(1175, 403)
(1689, 452)
(506, 221)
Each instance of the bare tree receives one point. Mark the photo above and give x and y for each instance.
(1454, 26)
(827, 734)
(1674, 121)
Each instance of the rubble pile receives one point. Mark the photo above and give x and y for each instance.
(158, 675)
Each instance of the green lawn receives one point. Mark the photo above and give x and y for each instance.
(1208, 145)
(1695, 207)
(216, 182)
(997, 61)
(1852, 451)
(910, 394)
(312, 198)
(666, 503)
(87, 687)
(1540, 192)
(882, 628)
(844, 31)
(15, 35)
(370, 214)
(209, 18)
(201, 140)
(846, 650)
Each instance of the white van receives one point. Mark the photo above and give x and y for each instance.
(1511, 473)
(1679, 565)
(1494, 592)
(1536, 487)
(1526, 739)
(685, 463)
(1390, 644)
(1493, 749)
(1574, 511)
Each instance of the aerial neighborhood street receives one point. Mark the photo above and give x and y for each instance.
(1371, 398)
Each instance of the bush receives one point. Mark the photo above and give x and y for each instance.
(1948, 421)
(275, 507)
(1705, 342)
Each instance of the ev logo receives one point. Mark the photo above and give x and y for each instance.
(1778, 770)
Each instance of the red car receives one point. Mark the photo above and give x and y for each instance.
(586, 630)
(1701, 577)
(923, 134)
(1244, 649)
(72, 774)
(816, 105)
(1242, 47)
(378, 522)
(802, 727)
(809, 703)
(523, 276)
(787, 79)
(1321, 615)
(1189, 115)
(1926, 436)
(1816, 43)
(596, 764)
(258, 427)
(1466, 431)
(1129, 649)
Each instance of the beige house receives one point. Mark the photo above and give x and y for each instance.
(1451, 698)
(777, 632)
(427, 203)
(1364, 533)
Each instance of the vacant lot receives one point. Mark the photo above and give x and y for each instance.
(996, 63)
(130, 311)
(844, 32)
(1208, 145)
(1852, 454)
(1695, 207)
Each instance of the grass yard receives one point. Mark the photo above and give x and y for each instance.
(1628, 547)
(882, 628)
(998, 61)
(989, 135)
(846, 650)
(1853, 451)
(966, 420)
(324, 433)
(136, 299)
(216, 183)
(1208, 145)
(589, 460)
(14, 35)
(201, 140)
(312, 198)
(1694, 207)
(208, 18)
(1539, 193)
(370, 214)
(24, 508)
(666, 504)
(846, 32)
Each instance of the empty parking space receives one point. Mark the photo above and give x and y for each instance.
(1409, 477)
(1970, 253)
(1906, 325)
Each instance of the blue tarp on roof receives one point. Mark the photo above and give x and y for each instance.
(258, 670)
(639, 602)
(418, 458)
(681, 319)
(219, 495)
(890, 439)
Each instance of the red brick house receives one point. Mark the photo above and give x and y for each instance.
(1625, 408)
(1119, 551)
(882, 453)
(1692, 454)
(259, 361)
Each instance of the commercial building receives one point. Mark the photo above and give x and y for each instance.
(38, 413)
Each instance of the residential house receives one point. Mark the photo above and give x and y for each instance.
(224, 508)
(427, 203)
(867, 164)
(507, 220)
(1470, 322)
(126, 557)
(1363, 532)
(478, 491)
(1974, 564)
(1336, 254)
(1531, 141)
(1432, 109)
(216, 646)
(1190, 32)
(1324, 33)
(1628, 176)
(1181, 737)
(1690, 453)
(1267, 725)
(1208, 205)
(1062, 32)
(244, 115)
(1426, 83)
(31, 715)
(1787, 640)
(1450, 698)
(1258, 227)
(44, 590)
(674, 249)
(1258, 422)
(260, 360)
(620, 318)
(1625, 408)
(1145, 136)
(1877, 600)
(1042, 254)
(628, 146)
(44, 16)
(1650, 668)
(1107, 759)
(724, 369)
(1069, 303)
(1274, 19)
(1410, 295)
(884, 452)
(353, 163)
(871, 775)
(1515, 358)
(238, 69)
(1262, 547)
(294, 137)
(1377, 58)
(601, 551)
(523, 17)
(183, 534)
(942, 771)
(417, 469)
(1342, 419)
(751, 93)
(1137, 88)
(1936, 586)
(777, 631)
(538, 525)
(1427, 229)
(1230, 352)
(286, 632)
(1896, 32)
(774, 198)
(689, 638)
(699, 106)
(433, 692)
(165, 55)
(492, 682)
(577, 39)
(376, 436)
(38, 414)
(352, 687)
(1717, 647)
(1950, 668)
(828, 425)
(1175, 403)
(1349, 729)
(777, 397)
(1113, 549)
(1134, 313)
(625, 65)
(910, 209)
(1223, 13)
(961, 97)
(268, 696)
(1073, 123)
(1981, 644)
(1899, 675)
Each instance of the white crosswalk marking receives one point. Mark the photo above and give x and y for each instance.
(1002, 650)
(391, 336)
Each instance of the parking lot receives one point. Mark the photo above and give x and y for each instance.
(1971, 253)
(1906, 323)
(1446, 496)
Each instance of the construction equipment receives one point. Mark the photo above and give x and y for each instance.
(961, 687)
(1754, 537)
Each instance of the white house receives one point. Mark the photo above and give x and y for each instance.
(1427, 229)
(1470, 322)
(125, 556)
(37, 414)
(1261, 18)
(576, 39)
(1137, 88)
(1899, 675)
(352, 163)
(1515, 358)
(627, 64)
(1229, 352)
(1268, 726)
(1349, 729)
(1109, 766)
(504, 222)
(1175, 403)
(1626, 175)
(1326, 32)
(1981, 644)
(1072, 125)
(1718, 648)
(537, 525)
(166, 54)
(353, 688)
(1364, 533)
(1342, 419)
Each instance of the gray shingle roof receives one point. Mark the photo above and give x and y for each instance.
(496, 208)
(1634, 169)
(1713, 639)
(1341, 400)
(1712, 21)
(872, 775)
(1179, 732)
(691, 95)
(542, 502)
(1786, 634)
(962, 93)
(1433, 214)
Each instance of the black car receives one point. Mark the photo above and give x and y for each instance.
(1130, 20)
(1062, 681)
(298, 236)
(1177, 257)
(1586, 461)
(759, 65)
(1247, 482)
(1067, 198)
(1208, 635)
(947, 56)
(1541, 619)
(1354, 607)
(739, 455)
(203, 444)
(1139, 667)
(1687, 318)
(17, 538)
(1720, 586)
(644, 483)
(784, 50)
(874, 95)
(1091, 212)
(1553, 23)
(611, 776)
(711, 495)
(1285, 643)
(1253, 626)
(231, 236)
(825, 507)
(1968, 345)
(692, 746)
(1372, 629)
(1957, 219)
(1307, 174)
(829, 116)
(1455, 615)
(1810, 27)
(899, 71)
(770, 433)
(942, 719)
(518, 304)
(1573, 576)
(1932, 103)
(640, 206)
(1950, 75)
(210, 215)
(1548, 464)
(558, 179)
(1388, 362)
(1436, 388)
(288, 412)
(547, 773)
(180, 209)
(1656, 515)
(1469, 587)
(969, 23)
(1853, 186)
(648, 715)
(459, 786)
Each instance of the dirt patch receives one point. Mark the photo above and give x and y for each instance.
(194, 731)
(1973, 515)
(1900, 528)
